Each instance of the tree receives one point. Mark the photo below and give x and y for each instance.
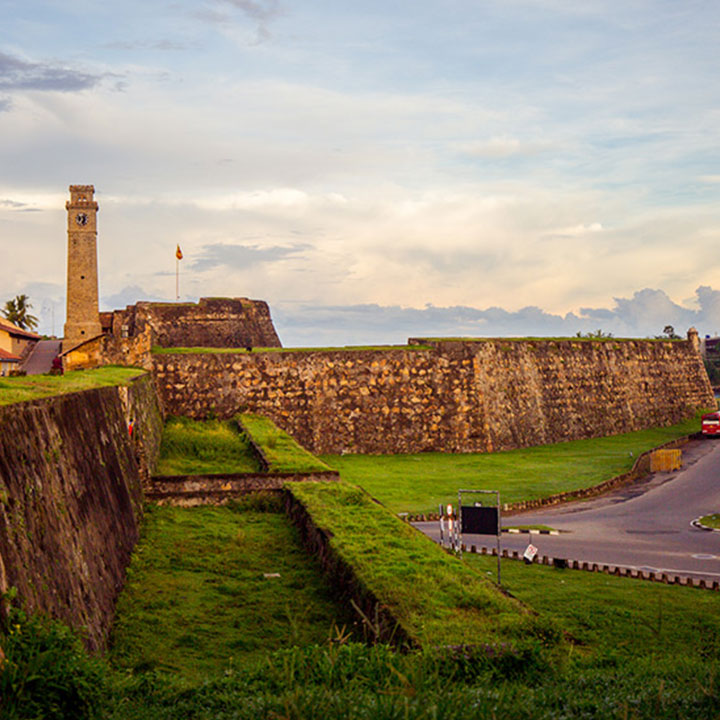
(597, 335)
(668, 334)
(17, 312)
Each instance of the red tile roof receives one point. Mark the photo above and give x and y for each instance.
(15, 330)
(8, 356)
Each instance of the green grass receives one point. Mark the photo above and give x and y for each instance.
(615, 618)
(32, 387)
(637, 650)
(157, 350)
(573, 338)
(192, 447)
(527, 527)
(436, 598)
(418, 483)
(712, 521)
(281, 451)
(196, 602)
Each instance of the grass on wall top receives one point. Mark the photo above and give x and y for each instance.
(437, 598)
(193, 447)
(572, 338)
(157, 350)
(33, 387)
(281, 451)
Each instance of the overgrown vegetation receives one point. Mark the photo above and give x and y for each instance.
(45, 672)
(418, 483)
(213, 589)
(639, 650)
(281, 451)
(434, 597)
(32, 387)
(193, 447)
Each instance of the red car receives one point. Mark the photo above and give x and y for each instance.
(711, 424)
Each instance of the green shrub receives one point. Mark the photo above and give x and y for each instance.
(46, 672)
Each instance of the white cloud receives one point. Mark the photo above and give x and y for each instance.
(501, 147)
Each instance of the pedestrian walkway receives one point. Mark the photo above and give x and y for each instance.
(40, 359)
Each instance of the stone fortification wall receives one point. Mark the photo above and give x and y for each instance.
(128, 335)
(70, 499)
(211, 322)
(445, 396)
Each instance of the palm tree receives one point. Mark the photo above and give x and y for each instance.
(16, 311)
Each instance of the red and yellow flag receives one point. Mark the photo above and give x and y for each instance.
(178, 253)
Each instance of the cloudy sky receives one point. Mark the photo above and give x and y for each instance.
(373, 170)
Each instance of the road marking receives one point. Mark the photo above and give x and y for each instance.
(704, 556)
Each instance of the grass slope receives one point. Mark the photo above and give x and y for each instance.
(192, 447)
(196, 601)
(435, 597)
(32, 387)
(419, 482)
(618, 620)
(281, 451)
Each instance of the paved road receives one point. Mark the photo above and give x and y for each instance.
(645, 525)
(40, 359)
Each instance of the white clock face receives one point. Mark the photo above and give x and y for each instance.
(81, 219)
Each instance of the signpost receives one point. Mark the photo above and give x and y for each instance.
(476, 519)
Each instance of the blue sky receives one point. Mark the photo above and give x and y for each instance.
(372, 170)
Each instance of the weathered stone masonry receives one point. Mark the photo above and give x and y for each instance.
(448, 396)
(70, 499)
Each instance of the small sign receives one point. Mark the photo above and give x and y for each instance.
(530, 553)
(479, 520)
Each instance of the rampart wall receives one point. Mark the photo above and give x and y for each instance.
(70, 499)
(211, 322)
(445, 396)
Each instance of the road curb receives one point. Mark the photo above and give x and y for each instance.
(618, 570)
(518, 531)
(639, 470)
(697, 524)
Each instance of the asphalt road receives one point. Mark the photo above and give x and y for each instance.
(646, 525)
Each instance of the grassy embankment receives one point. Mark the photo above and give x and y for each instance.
(33, 387)
(418, 483)
(281, 451)
(434, 597)
(638, 650)
(198, 601)
(615, 618)
(192, 447)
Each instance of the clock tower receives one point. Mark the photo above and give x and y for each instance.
(82, 321)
